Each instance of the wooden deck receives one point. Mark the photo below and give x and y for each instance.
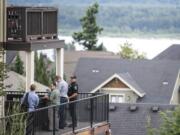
(66, 130)
(82, 129)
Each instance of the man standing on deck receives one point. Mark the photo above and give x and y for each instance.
(73, 94)
(62, 86)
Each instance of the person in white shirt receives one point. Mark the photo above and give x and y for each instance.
(62, 86)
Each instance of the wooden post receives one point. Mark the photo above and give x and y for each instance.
(60, 62)
(2, 21)
(29, 69)
(2, 41)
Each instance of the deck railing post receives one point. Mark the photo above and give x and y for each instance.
(107, 102)
(54, 111)
(92, 111)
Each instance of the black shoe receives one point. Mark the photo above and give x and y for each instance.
(71, 125)
(56, 129)
(50, 130)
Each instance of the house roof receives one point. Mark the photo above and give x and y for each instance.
(171, 53)
(17, 82)
(71, 59)
(125, 122)
(10, 55)
(149, 75)
(125, 78)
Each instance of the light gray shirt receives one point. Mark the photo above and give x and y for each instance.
(63, 88)
(54, 97)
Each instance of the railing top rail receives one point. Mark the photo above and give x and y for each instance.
(43, 108)
(43, 92)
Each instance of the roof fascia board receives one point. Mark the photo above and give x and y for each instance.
(121, 79)
(173, 93)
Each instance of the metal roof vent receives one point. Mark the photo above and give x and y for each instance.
(95, 71)
(155, 108)
(165, 83)
(133, 108)
(112, 108)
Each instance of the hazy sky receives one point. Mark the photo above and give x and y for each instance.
(150, 46)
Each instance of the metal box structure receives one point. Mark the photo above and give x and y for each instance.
(31, 23)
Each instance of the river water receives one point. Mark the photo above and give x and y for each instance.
(150, 46)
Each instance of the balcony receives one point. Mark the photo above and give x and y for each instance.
(92, 111)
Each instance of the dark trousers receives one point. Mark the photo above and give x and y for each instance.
(72, 110)
(62, 112)
(30, 124)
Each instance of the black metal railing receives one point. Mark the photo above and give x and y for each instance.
(14, 97)
(79, 114)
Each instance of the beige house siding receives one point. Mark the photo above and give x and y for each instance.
(176, 94)
(118, 91)
(129, 95)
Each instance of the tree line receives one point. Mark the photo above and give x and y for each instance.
(117, 16)
(125, 19)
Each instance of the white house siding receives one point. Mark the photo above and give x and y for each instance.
(176, 93)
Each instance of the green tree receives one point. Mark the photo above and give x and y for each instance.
(18, 67)
(88, 36)
(3, 74)
(41, 72)
(170, 124)
(127, 52)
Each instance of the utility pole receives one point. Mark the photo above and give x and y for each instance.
(2, 41)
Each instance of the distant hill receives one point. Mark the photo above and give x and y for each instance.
(87, 2)
(118, 17)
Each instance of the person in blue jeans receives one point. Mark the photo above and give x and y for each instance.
(62, 86)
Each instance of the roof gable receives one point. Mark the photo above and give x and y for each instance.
(148, 74)
(115, 83)
(126, 79)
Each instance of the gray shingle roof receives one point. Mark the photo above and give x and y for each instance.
(10, 55)
(17, 82)
(148, 74)
(171, 53)
(125, 122)
(128, 78)
(71, 58)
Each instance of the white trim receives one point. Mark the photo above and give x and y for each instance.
(121, 79)
(60, 62)
(116, 94)
(116, 89)
(178, 77)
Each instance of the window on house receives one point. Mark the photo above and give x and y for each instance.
(117, 98)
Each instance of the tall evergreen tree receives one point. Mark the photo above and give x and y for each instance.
(88, 36)
(41, 73)
(19, 68)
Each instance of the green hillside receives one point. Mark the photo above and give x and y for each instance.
(119, 17)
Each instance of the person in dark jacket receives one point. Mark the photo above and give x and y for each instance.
(72, 95)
